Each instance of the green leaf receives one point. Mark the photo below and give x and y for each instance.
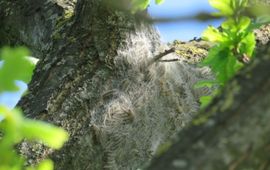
(205, 83)
(16, 128)
(212, 34)
(205, 100)
(247, 44)
(15, 67)
(244, 23)
(234, 40)
(159, 1)
(139, 5)
(224, 7)
(238, 5)
(217, 59)
(10, 125)
(230, 26)
(50, 135)
(45, 165)
(227, 24)
(230, 68)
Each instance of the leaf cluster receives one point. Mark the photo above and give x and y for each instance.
(15, 66)
(16, 128)
(13, 126)
(234, 42)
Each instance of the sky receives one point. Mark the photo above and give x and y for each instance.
(186, 30)
(183, 31)
(10, 99)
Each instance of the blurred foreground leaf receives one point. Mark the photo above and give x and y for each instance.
(15, 66)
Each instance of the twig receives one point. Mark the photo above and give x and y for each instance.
(159, 56)
(170, 60)
(201, 16)
(244, 58)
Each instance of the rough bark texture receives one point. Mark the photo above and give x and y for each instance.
(235, 134)
(97, 80)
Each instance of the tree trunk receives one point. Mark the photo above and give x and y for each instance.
(235, 130)
(99, 79)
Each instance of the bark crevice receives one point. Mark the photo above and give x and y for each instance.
(93, 79)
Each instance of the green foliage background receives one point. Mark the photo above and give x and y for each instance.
(13, 126)
(234, 42)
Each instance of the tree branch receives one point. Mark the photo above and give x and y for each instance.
(159, 56)
(235, 121)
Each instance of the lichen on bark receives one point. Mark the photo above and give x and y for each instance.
(94, 80)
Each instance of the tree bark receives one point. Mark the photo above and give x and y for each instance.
(96, 78)
(231, 133)
(234, 133)
(99, 79)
